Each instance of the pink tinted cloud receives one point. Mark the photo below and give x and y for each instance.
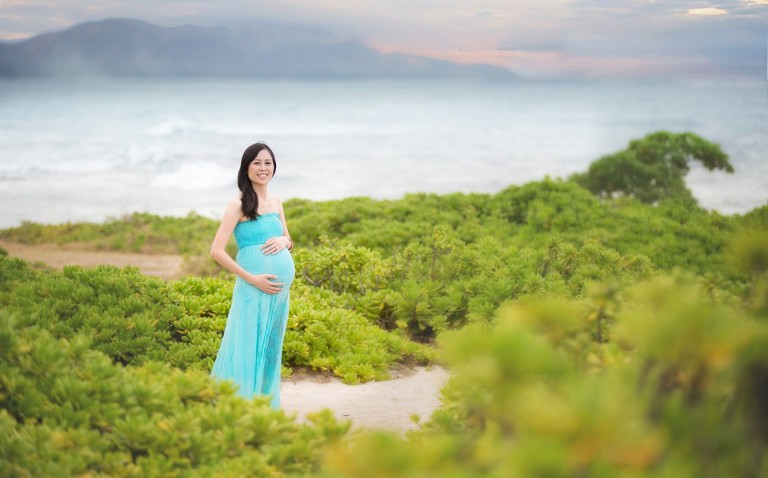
(542, 63)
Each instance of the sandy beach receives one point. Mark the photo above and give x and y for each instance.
(386, 405)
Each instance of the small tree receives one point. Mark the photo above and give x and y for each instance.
(652, 168)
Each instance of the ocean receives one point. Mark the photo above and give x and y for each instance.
(89, 150)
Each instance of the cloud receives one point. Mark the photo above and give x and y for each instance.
(707, 11)
(658, 36)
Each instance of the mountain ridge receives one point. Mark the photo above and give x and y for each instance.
(130, 47)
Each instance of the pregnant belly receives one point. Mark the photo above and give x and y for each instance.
(280, 264)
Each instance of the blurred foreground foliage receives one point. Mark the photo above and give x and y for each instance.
(658, 379)
(588, 335)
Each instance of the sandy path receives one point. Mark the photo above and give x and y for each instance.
(388, 404)
(167, 266)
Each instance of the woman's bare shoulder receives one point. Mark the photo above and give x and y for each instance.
(235, 206)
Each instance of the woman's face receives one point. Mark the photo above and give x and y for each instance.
(262, 168)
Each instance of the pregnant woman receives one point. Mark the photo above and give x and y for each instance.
(251, 349)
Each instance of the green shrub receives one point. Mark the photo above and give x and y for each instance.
(126, 314)
(343, 342)
(653, 168)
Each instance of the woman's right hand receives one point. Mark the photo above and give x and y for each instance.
(264, 283)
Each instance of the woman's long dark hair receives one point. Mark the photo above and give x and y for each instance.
(250, 199)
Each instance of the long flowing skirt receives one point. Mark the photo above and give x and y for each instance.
(251, 348)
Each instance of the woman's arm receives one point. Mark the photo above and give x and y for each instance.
(289, 246)
(232, 215)
(278, 243)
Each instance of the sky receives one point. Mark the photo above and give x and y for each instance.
(541, 38)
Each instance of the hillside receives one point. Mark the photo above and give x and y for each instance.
(126, 47)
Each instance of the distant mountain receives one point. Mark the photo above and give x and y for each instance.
(125, 47)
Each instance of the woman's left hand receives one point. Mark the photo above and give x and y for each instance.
(275, 245)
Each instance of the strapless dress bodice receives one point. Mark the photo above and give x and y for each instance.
(258, 231)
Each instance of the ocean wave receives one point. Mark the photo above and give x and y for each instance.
(196, 176)
(178, 126)
(170, 126)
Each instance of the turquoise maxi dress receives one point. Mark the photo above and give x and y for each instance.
(251, 348)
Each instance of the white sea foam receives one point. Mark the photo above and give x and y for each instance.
(170, 126)
(195, 176)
